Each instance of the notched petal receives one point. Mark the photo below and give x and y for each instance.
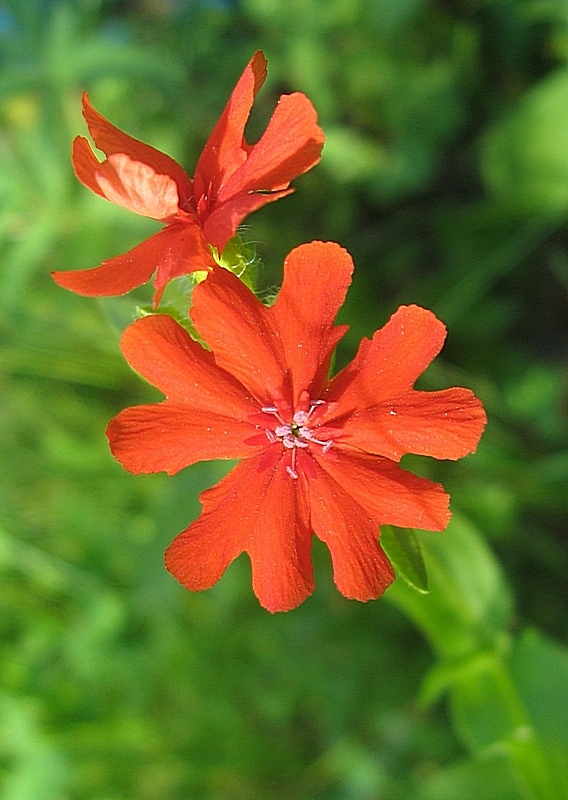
(257, 511)
(387, 366)
(290, 146)
(446, 425)
(361, 569)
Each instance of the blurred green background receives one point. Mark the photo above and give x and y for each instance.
(445, 174)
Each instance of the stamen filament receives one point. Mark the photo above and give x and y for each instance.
(295, 434)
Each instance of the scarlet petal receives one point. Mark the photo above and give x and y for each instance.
(387, 366)
(137, 187)
(169, 436)
(175, 250)
(183, 251)
(224, 151)
(221, 225)
(316, 278)
(166, 355)
(206, 417)
(111, 140)
(86, 164)
(444, 424)
(282, 573)
(237, 327)
(388, 493)
(199, 556)
(116, 275)
(259, 511)
(360, 567)
(290, 145)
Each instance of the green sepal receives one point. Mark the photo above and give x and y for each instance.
(240, 257)
(176, 302)
(404, 550)
(237, 257)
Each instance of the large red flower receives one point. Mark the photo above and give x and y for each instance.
(318, 456)
(232, 179)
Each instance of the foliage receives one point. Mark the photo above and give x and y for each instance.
(445, 176)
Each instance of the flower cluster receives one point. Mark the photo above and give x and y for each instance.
(318, 455)
(232, 179)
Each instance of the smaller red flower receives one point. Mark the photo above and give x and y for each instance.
(318, 456)
(232, 179)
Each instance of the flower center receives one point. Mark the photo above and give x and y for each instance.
(296, 434)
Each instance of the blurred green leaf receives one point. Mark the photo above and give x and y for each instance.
(539, 668)
(490, 777)
(490, 715)
(503, 703)
(524, 156)
(37, 770)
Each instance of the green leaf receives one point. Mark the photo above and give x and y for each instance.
(469, 605)
(405, 552)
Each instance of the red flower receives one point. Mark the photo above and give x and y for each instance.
(318, 456)
(232, 179)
